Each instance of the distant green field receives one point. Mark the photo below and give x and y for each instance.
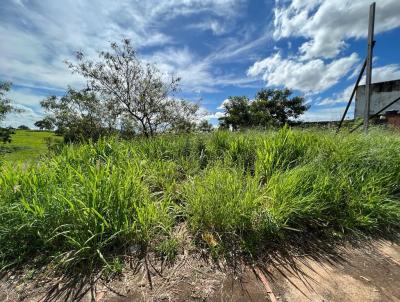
(27, 145)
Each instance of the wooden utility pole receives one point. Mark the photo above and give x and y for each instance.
(369, 66)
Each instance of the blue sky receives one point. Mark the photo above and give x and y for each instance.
(220, 48)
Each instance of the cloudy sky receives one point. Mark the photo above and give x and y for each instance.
(220, 48)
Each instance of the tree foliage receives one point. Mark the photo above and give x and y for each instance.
(5, 108)
(205, 126)
(271, 107)
(279, 105)
(46, 123)
(5, 103)
(80, 115)
(237, 113)
(181, 116)
(131, 89)
(5, 135)
(23, 127)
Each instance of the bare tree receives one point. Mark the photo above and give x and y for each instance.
(130, 87)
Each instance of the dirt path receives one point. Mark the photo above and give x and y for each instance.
(367, 273)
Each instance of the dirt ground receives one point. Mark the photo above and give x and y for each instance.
(368, 272)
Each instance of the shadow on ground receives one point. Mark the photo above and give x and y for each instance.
(301, 269)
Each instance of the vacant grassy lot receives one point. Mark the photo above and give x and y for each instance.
(90, 204)
(27, 145)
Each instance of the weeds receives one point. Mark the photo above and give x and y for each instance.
(87, 204)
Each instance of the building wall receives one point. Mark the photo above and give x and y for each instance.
(394, 121)
(381, 95)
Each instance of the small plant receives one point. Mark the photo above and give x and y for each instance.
(168, 249)
(113, 268)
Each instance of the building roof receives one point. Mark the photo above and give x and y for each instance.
(386, 86)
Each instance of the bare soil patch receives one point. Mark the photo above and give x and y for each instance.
(366, 274)
(369, 272)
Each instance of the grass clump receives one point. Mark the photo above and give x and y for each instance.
(89, 204)
(224, 208)
(78, 207)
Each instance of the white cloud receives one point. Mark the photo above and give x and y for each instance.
(310, 77)
(26, 97)
(197, 74)
(27, 100)
(28, 117)
(328, 24)
(171, 9)
(215, 115)
(221, 107)
(324, 114)
(37, 36)
(242, 46)
(25, 60)
(384, 73)
(337, 98)
(216, 27)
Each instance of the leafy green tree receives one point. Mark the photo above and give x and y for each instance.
(271, 107)
(237, 113)
(129, 127)
(5, 135)
(128, 87)
(79, 115)
(46, 123)
(183, 126)
(276, 107)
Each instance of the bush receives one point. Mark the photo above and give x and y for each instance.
(5, 135)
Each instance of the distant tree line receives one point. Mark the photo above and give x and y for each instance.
(23, 127)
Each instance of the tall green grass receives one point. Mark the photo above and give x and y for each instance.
(91, 203)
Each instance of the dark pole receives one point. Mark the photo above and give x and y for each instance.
(352, 95)
(369, 66)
